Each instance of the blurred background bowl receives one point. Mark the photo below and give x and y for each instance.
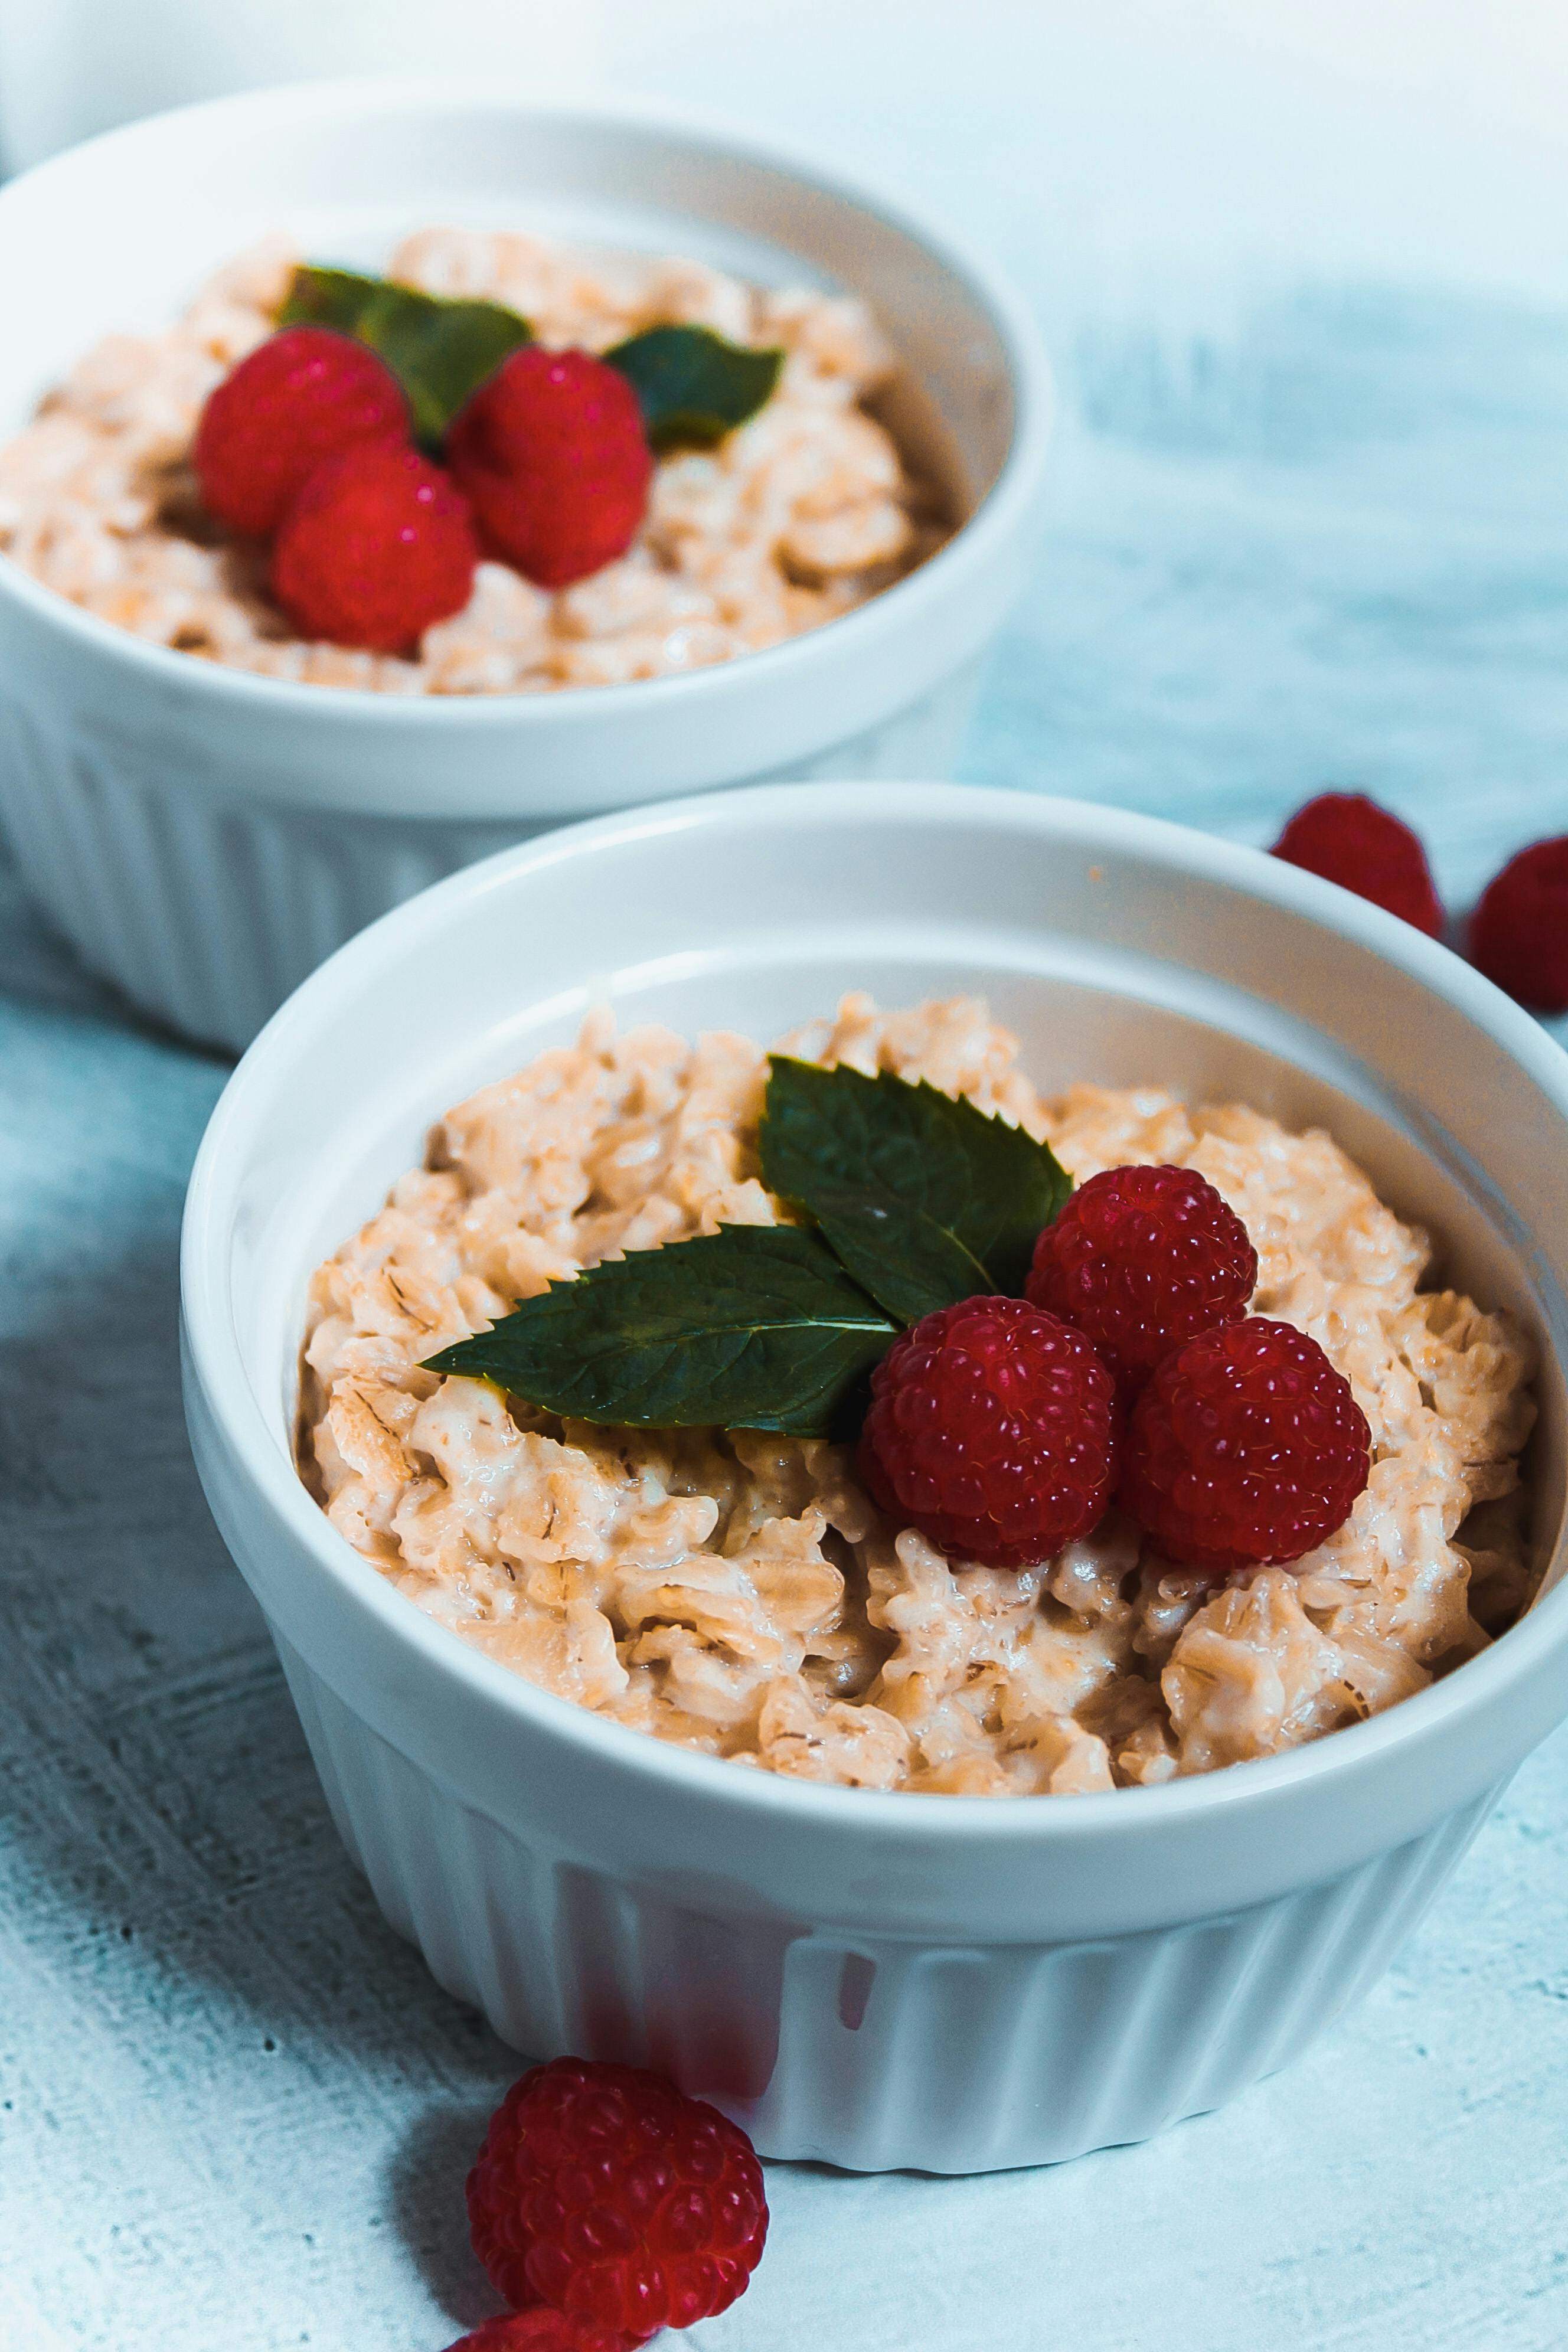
(205, 836)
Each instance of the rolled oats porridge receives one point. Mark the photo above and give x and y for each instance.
(738, 1594)
(796, 516)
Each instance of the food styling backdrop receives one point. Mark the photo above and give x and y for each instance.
(1302, 265)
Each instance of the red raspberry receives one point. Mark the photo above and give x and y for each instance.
(376, 548)
(1246, 1448)
(1519, 934)
(993, 1429)
(299, 397)
(1347, 839)
(544, 2330)
(1141, 1259)
(608, 2194)
(551, 453)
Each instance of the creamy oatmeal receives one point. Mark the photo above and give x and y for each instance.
(795, 517)
(738, 1594)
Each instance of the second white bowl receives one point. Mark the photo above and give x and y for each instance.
(205, 836)
(878, 1979)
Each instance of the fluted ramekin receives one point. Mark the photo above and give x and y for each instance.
(205, 836)
(877, 1980)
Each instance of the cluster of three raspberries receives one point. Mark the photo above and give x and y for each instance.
(307, 444)
(1002, 1427)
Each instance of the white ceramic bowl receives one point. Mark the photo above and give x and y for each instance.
(205, 836)
(877, 1979)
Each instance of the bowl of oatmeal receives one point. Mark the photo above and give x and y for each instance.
(206, 797)
(668, 1742)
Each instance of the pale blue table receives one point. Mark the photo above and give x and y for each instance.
(233, 2111)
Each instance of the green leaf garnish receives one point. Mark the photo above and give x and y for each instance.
(440, 351)
(917, 1199)
(925, 1198)
(754, 1327)
(693, 385)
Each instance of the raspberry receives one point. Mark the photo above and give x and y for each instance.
(544, 2330)
(377, 547)
(301, 396)
(993, 1429)
(608, 2194)
(551, 453)
(541, 2330)
(1347, 839)
(1141, 1259)
(1519, 934)
(1246, 1448)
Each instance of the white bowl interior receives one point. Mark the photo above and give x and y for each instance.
(1081, 928)
(116, 236)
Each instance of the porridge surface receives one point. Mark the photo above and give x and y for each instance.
(797, 516)
(739, 1594)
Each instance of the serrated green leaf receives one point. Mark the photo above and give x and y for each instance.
(693, 385)
(440, 351)
(925, 1198)
(908, 1263)
(754, 1327)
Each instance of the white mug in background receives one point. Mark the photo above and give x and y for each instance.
(69, 69)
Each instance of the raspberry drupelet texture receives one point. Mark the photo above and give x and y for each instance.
(551, 455)
(606, 2193)
(376, 548)
(1349, 839)
(303, 396)
(1141, 1259)
(1519, 932)
(540, 2329)
(993, 1428)
(1245, 1450)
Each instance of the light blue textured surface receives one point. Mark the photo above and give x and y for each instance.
(1324, 540)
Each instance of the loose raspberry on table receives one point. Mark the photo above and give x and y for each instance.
(376, 548)
(1349, 839)
(1141, 1259)
(303, 396)
(993, 1428)
(551, 453)
(1519, 932)
(606, 2193)
(1246, 1449)
(540, 2329)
